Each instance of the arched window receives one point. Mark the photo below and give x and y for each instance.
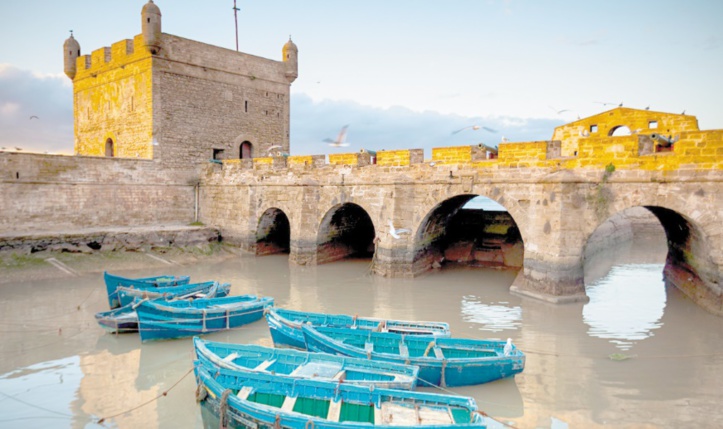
(109, 147)
(245, 151)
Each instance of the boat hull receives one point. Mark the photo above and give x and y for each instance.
(178, 319)
(290, 363)
(285, 325)
(112, 282)
(445, 362)
(127, 295)
(272, 401)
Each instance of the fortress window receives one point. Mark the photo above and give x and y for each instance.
(245, 150)
(246, 106)
(109, 148)
(593, 128)
(653, 125)
(217, 153)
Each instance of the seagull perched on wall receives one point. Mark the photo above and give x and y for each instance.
(340, 139)
(396, 233)
(474, 128)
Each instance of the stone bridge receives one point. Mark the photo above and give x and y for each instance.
(323, 211)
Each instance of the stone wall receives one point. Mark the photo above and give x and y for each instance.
(209, 98)
(56, 193)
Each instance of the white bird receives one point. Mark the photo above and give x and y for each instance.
(34, 117)
(276, 146)
(394, 232)
(584, 133)
(505, 139)
(508, 347)
(340, 139)
(607, 103)
(18, 148)
(475, 128)
(559, 111)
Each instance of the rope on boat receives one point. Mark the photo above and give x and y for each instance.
(483, 414)
(223, 410)
(165, 393)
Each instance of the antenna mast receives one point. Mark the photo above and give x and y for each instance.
(235, 18)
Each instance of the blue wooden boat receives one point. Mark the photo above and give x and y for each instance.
(285, 325)
(127, 295)
(442, 362)
(256, 400)
(112, 282)
(159, 320)
(302, 364)
(125, 319)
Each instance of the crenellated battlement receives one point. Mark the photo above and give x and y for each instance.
(677, 144)
(106, 59)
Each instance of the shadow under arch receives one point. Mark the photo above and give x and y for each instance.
(455, 234)
(273, 233)
(688, 265)
(345, 231)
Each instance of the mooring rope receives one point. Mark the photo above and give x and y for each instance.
(165, 393)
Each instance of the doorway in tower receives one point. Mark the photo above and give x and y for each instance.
(109, 147)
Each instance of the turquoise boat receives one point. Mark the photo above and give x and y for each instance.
(112, 282)
(445, 362)
(285, 325)
(127, 295)
(124, 319)
(256, 400)
(301, 364)
(158, 320)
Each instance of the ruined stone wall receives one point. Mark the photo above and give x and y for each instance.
(209, 98)
(66, 193)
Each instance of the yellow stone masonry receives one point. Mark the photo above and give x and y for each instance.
(394, 157)
(113, 100)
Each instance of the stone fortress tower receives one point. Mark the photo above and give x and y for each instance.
(174, 100)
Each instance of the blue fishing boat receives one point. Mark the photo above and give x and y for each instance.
(301, 364)
(125, 319)
(127, 295)
(442, 362)
(112, 282)
(159, 320)
(285, 325)
(256, 400)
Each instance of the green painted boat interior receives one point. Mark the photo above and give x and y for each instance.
(312, 407)
(356, 413)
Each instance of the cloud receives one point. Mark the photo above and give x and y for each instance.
(399, 127)
(26, 94)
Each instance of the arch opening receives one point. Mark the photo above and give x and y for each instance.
(346, 231)
(273, 234)
(620, 130)
(109, 152)
(471, 231)
(623, 260)
(246, 150)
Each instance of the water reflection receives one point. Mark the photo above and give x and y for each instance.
(73, 378)
(493, 317)
(627, 305)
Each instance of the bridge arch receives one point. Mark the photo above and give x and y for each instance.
(273, 232)
(451, 232)
(690, 263)
(346, 230)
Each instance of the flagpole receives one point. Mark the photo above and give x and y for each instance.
(235, 18)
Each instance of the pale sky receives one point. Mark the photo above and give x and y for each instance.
(402, 73)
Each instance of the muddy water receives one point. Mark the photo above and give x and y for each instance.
(638, 355)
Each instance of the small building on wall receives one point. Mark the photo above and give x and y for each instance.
(174, 100)
(621, 121)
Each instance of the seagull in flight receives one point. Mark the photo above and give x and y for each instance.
(475, 128)
(271, 149)
(559, 111)
(34, 117)
(396, 232)
(340, 139)
(606, 103)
